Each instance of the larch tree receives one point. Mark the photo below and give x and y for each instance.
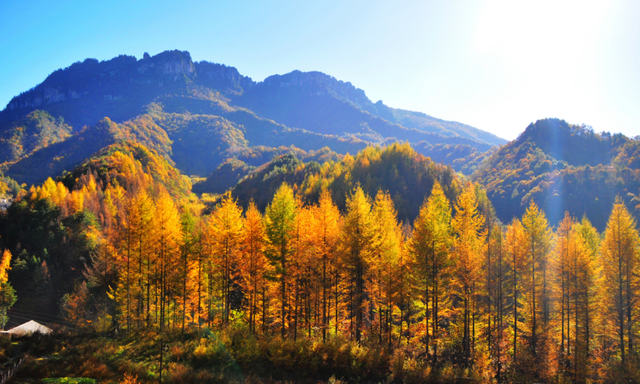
(497, 294)
(129, 229)
(562, 254)
(188, 253)
(538, 237)
(584, 286)
(280, 224)
(7, 293)
(167, 246)
(326, 232)
(225, 232)
(388, 283)
(591, 293)
(619, 259)
(430, 246)
(144, 255)
(574, 284)
(253, 263)
(468, 225)
(302, 265)
(132, 231)
(200, 271)
(357, 243)
(515, 249)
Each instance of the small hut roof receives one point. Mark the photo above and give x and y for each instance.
(29, 328)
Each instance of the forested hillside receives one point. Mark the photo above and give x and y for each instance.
(400, 171)
(175, 217)
(562, 167)
(383, 265)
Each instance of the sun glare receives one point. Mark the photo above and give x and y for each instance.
(518, 30)
(548, 52)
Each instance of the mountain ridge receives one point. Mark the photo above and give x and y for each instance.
(197, 114)
(80, 79)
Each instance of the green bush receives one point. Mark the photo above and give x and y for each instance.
(69, 380)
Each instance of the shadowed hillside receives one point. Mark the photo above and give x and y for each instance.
(562, 167)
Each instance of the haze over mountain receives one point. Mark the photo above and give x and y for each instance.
(197, 114)
(563, 167)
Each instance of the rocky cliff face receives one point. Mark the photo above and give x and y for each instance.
(221, 76)
(316, 84)
(172, 65)
(108, 80)
(42, 96)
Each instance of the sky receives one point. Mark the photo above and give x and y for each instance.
(497, 65)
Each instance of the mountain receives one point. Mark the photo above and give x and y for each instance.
(320, 103)
(198, 115)
(398, 169)
(562, 167)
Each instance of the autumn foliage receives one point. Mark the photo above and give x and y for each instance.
(452, 291)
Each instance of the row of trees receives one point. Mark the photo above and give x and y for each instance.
(519, 298)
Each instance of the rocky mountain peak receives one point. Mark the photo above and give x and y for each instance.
(169, 63)
(317, 84)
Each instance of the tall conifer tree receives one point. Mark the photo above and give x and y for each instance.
(280, 221)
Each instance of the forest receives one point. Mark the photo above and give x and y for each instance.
(328, 279)
(562, 167)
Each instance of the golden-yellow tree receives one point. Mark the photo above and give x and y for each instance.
(388, 285)
(538, 237)
(280, 224)
(430, 247)
(515, 249)
(468, 226)
(302, 268)
(225, 232)
(253, 265)
(326, 235)
(357, 244)
(7, 293)
(619, 259)
(166, 242)
(496, 292)
(574, 287)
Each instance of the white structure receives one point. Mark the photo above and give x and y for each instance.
(5, 203)
(29, 328)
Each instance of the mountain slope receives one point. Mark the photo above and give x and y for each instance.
(339, 107)
(31, 133)
(562, 167)
(199, 114)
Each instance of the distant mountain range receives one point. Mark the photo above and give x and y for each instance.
(199, 114)
(208, 120)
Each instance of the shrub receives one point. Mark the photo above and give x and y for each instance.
(129, 379)
(69, 380)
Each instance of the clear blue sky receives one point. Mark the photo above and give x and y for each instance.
(494, 64)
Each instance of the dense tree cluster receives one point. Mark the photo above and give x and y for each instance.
(521, 301)
(54, 229)
(33, 132)
(406, 175)
(517, 301)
